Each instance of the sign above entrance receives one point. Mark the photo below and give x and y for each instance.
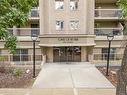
(68, 40)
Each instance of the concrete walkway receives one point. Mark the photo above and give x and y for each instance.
(57, 92)
(74, 75)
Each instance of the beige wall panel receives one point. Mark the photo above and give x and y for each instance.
(83, 54)
(97, 50)
(90, 54)
(105, 44)
(37, 51)
(2, 44)
(4, 52)
(49, 55)
(27, 44)
(90, 16)
(58, 41)
(50, 15)
(41, 8)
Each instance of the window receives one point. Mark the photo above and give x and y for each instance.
(74, 25)
(24, 55)
(34, 12)
(59, 4)
(21, 55)
(35, 29)
(116, 32)
(74, 4)
(59, 25)
(105, 53)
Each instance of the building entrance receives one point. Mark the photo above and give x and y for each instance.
(67, 54)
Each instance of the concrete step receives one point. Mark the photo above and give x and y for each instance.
(57, 92)
(69, 65)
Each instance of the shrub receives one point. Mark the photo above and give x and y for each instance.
(17, 72)
(4, 66)
(10, 69)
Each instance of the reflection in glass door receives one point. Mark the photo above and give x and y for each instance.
(67, 54)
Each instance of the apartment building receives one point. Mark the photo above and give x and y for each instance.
(108, 19)
(70, 31)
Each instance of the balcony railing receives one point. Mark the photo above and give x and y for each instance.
(22, 58)
(24, 31)
(34, 12)
(106, 31)
(102, 58)
(101, 13)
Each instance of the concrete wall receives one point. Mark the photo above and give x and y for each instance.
(84, 54)
(49, 54)
(90, 54)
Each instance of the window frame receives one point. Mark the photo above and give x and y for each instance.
(76, 21)
(61, 25)
(20, 56)
(105, 54)
(35, 28)
(58, 8)
(74, 6)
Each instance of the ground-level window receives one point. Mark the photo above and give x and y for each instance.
(105, 53)
(74, 24)
(74, 4)
(21, 55)
(59, 4)
(59, 25)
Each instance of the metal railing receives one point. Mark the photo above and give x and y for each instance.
(34, 12)
(24, 31)
(108, 13)
(106, 31)
(20, 58)
(104, 56)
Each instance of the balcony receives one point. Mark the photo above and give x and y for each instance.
(34, 14)
(25, 59)
(106, 1)
(102, 58)
(24, 31)
(106, 31)
(108, 14)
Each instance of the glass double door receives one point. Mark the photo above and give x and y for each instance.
(67, 54)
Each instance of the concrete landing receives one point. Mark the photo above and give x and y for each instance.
(74, 75)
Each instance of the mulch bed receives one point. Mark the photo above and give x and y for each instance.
(8, 80)
(112, 74)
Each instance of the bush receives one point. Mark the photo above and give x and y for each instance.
(4, 66)
(17, 72)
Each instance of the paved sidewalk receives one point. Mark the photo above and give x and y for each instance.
(74, 75)
(57, 92)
